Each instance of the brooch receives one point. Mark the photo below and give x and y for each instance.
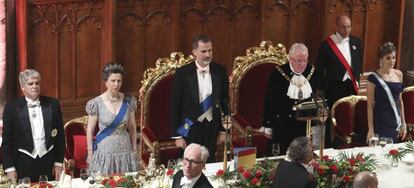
(54, 133)
(353, 47)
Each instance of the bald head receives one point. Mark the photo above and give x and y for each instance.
(365, 179)
(343, 25)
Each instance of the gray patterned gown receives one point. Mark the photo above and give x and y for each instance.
(114, 153)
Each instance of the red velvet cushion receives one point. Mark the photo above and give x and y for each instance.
(252, 90)
(260, 142)
(70, 130)
(159, 109)
(361, 118)
(343, 116)
(80, 151)
(408, 100)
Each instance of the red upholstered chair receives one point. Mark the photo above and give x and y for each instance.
(248, 83)
(76, 147)
(349, 117)
(155, 102)
(408, 100)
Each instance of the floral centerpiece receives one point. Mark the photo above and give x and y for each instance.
(340, 171)
(260, 176)
(119, 181)
(395, 155)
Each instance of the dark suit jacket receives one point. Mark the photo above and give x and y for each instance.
(202, 182)
(292, 175)
(17, 132)
(330, 70)
(278, 113)
(185, 95)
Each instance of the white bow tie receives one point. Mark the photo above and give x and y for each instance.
(33, 104)
(185, 181)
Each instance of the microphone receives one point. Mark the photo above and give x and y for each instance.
(219, 107)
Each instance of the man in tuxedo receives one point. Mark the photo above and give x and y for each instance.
(339, 65)
(289, 84)
(194, 161)
(293, 173)
(33, 136)
(199, 98)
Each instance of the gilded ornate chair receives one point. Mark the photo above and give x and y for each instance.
(76, 147)
(349, 117)
(155, 105)
(408, 100)
(248, 83)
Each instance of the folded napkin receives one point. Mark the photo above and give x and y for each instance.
(65, 180)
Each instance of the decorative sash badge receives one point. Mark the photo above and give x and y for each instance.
(184, 129)
(54, 133)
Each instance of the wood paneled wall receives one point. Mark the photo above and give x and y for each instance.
(69, 41)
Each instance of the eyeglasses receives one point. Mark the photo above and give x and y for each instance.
(302, 61)
(191, 162)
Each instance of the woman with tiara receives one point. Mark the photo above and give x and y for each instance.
(384, 103)
(114, 149)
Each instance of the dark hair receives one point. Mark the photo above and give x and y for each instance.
(112, 68)
(386, 48)
(299, 149)
(202, 38)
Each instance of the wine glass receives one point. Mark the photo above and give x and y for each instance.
(382, 142)
(389, 144)
(24, 182)
(83, 174)
(373, 142)
(275, 149)
(171, 163)
(43, 180)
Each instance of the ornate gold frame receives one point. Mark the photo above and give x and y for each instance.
(408, 89)
(352, 100)
(163, 68)
(265, 53)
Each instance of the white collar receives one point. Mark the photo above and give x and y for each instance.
(30, 100)
(291, 68)
(340, 39)
(200, 68)
(189, 182)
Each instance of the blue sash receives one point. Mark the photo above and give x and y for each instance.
(184, 128)
(108, 130)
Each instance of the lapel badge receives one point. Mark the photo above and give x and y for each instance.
(53, 133)
(353, 47)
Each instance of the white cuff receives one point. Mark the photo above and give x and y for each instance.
(268, 131)
(11, 169)
(58, 164)
(176, 137)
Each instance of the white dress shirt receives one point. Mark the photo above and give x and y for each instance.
(204, 88)
(189, 183)
(38, 130)
(343, 46)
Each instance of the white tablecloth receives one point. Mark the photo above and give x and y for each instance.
(388, 177)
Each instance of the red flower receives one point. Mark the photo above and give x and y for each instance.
(112, 182)
(352, 162)
(347, 178)
(393, 152)
(240, 168)
(254, 181)
(334, 168)
(170, 172)
(258, 174)
(246, 174)
(219, 172)
(321, 171)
